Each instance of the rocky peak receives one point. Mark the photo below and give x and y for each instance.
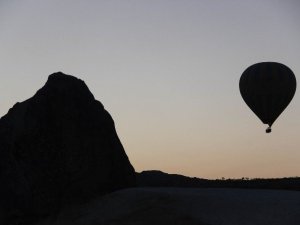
(58, 148)
(60, 85)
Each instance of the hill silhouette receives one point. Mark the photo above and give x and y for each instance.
(156, 178)
(58, 148)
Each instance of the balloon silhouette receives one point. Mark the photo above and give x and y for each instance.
(267, 88)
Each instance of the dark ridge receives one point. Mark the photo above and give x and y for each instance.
(155, 178)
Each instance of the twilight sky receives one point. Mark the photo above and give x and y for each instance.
(168, 73)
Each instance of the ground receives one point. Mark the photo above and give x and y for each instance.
(184, 206)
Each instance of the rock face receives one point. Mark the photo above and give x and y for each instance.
(57, 148)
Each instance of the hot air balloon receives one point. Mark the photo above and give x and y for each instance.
(267, 88)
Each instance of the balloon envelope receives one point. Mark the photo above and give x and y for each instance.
(267, 88)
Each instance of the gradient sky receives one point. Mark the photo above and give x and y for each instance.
(168, 73)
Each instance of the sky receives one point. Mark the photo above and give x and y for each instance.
(168, 72)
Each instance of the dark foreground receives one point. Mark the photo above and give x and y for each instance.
(205, 206)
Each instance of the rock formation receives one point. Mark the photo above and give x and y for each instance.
(58, 148)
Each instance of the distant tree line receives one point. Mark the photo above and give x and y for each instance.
(156, 178)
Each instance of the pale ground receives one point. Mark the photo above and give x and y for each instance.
(176, 206)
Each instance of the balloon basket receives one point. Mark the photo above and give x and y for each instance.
(268, 130)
